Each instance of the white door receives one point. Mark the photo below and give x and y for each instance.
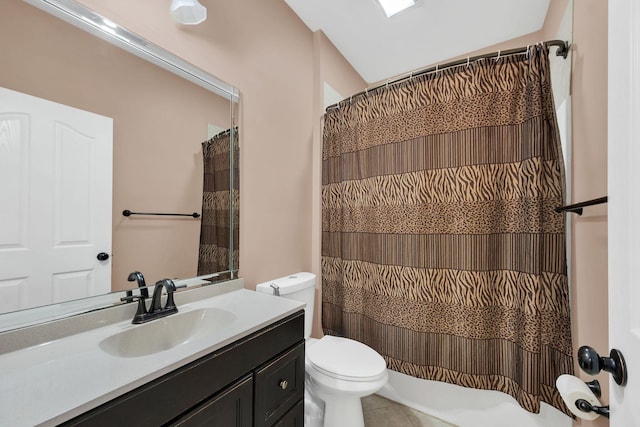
(55, 202)
(624, 204)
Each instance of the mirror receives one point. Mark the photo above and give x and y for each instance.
(161, 110)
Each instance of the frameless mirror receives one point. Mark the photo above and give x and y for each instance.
(95, 121)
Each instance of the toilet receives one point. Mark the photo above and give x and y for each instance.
(338, 371)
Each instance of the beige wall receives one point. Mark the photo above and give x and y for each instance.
(589, 90)
(279, 66)
(159, 122)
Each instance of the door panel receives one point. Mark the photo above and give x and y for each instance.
(72, 186)
(68, 286)
(14, 177)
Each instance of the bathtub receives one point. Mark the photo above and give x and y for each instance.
(466, 407)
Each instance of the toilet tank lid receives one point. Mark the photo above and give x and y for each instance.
(288, 284)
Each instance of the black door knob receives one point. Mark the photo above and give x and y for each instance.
(591, 363)
(589, 360)
(103, 256)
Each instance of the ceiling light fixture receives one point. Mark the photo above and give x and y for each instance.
(391, 7)
(188, 12)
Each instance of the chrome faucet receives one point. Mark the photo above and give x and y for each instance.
(156, 310)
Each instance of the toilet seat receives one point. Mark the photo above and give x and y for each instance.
(346, 359)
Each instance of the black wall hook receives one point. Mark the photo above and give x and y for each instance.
(591, 363)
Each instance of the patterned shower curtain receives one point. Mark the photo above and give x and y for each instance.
(215, 241)
(440, 245)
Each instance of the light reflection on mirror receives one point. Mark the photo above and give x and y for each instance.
(159, 123)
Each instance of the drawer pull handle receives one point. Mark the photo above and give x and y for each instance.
(283, 384)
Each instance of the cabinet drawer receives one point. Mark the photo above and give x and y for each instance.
(278, 386)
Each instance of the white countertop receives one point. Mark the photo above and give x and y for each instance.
(58, 380)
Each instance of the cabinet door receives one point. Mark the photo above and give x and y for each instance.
(293, 418)
(279, 385)
(231, 407)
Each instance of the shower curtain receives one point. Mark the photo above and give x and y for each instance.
(440, 245)
(216, 246)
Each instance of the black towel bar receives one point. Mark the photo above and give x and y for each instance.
(577, 208)
(127, 212)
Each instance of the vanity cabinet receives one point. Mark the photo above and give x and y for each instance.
(255, 381)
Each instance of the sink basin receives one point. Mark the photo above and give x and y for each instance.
(165, 333)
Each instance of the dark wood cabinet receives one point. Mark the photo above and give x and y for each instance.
(231, 407)
(293, 418)
(255, 381)
(278, 386)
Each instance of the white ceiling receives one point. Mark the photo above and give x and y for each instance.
(430, 32)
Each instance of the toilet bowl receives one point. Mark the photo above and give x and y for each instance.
(338, 371)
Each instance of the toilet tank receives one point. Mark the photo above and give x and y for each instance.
(299, 287)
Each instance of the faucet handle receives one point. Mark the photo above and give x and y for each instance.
(170, 303)
(170, 288)
(276, 289)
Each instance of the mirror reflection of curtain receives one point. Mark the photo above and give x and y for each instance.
(216, 245)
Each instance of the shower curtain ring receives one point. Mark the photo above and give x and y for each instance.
(468, 61)
(498, 57)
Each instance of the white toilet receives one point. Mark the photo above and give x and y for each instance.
(339, 371)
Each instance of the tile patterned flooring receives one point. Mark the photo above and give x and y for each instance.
(381, 412)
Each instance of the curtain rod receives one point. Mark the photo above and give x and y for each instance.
(222, 134)
(563, 50)
(127, 212)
